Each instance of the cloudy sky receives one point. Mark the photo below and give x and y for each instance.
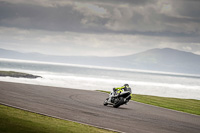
(99, 27)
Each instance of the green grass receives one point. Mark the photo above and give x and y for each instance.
(185, 105)
(17, 74)
(14, 120)
(11, 73)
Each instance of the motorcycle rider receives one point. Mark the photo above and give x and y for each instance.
(119, 90)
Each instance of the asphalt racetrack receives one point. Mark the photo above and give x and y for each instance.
(87, 107)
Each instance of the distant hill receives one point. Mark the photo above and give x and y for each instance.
(167, 60)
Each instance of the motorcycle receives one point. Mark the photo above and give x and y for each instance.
(120, 97)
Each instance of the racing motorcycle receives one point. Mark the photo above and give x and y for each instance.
(120, 97)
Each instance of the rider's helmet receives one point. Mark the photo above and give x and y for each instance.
(126, 85)
(127, 88)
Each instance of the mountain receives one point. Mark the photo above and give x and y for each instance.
(167, 60)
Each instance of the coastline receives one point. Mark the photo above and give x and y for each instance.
(89, 78)
(18, 75)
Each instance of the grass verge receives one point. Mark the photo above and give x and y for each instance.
(185, 105)
(14, 120)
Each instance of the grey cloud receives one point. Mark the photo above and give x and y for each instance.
(134, 2)
(110, 2)
(37, 17)
(188, 8)
(136, 17)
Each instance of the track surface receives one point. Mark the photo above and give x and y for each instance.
(87, 107)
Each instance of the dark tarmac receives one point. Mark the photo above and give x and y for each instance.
(87, 107)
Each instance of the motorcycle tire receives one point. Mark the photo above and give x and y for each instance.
(105, 102)
(120, 102)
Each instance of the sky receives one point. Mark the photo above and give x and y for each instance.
(99, 27)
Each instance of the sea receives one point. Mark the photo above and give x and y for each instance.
(104, 78)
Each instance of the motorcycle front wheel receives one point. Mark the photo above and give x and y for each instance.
(106, 102)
